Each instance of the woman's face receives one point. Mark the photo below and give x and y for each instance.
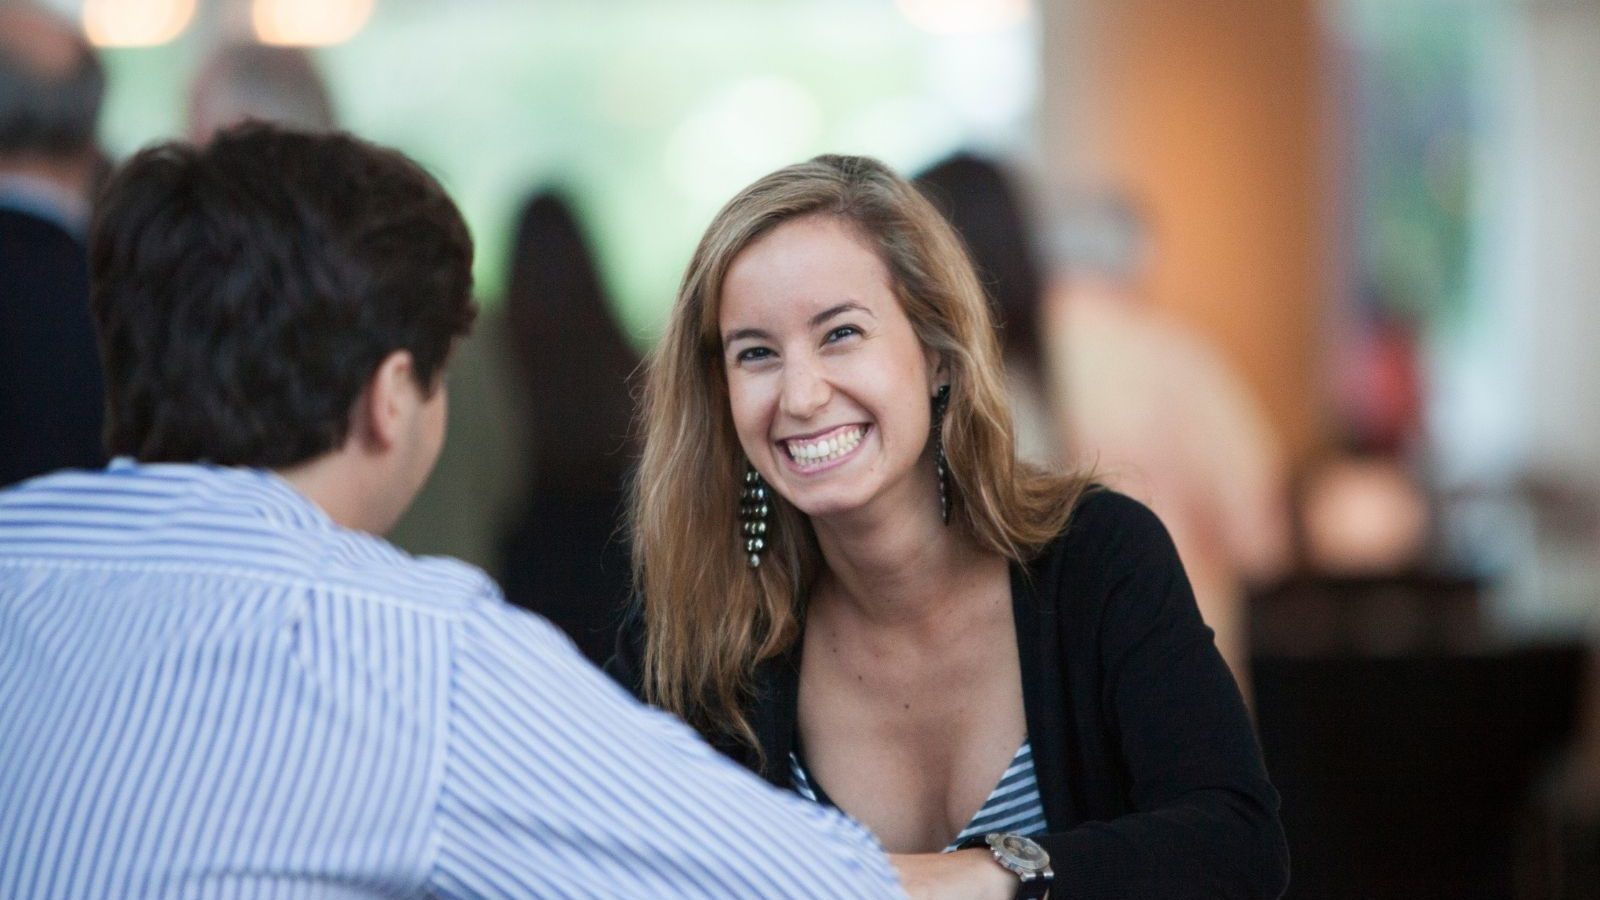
(830, 388)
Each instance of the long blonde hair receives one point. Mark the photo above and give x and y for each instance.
(710, 618)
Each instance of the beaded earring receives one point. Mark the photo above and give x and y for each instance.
(753, 510)
(941, 402)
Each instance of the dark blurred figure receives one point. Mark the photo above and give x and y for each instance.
(987, 211)
(240, 82)
(564, 556)
(51, 85)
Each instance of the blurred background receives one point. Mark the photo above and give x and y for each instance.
(1315, 278)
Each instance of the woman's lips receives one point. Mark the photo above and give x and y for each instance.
(816, 452)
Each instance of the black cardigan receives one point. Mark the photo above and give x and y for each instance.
(1151, 777)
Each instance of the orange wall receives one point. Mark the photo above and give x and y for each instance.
(1209, 112)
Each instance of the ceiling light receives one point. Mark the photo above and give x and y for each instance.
(308, 23)
(135, 23)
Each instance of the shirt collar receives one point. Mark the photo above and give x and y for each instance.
(44, 199)
(266, 492)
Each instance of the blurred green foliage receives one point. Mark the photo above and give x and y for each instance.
(1417, 108)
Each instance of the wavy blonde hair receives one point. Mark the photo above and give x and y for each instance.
(710, 618)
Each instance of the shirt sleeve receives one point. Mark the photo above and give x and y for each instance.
(556, 783)
(1204, 821)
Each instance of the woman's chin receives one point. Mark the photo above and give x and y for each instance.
(823, 506)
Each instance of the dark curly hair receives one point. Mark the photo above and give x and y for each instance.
(246, 291)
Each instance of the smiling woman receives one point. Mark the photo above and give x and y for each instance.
(983, 661)
(828, 385)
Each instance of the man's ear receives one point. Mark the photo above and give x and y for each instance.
(389, 402)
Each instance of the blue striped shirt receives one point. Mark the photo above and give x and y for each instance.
(209, 689)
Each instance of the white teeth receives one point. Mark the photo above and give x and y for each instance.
(827, 448)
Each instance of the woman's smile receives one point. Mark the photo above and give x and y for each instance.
(810, 454)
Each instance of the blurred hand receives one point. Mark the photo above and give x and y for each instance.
(962, 875)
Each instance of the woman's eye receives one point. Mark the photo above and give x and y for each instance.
(752, 354)
(842, 332)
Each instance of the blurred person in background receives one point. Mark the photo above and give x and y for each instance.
(51, 86)
(239, 82)
(217, 680)
(1163, 416)
(979, 200)
(851, 584)
(564, 556)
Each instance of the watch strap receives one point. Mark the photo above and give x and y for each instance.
(1033, 889)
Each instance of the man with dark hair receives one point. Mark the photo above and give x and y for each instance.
(51, 85)
(216, 681)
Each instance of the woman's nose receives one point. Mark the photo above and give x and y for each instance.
(805, 390)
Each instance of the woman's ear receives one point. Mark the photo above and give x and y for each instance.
(938, 371)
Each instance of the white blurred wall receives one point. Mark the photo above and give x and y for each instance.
(1518, 387)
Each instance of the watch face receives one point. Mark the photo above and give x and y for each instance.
(1019, 853)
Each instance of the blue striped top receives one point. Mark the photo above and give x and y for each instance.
(209, 689)
(1015, 804)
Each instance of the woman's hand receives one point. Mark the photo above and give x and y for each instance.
(962, 875)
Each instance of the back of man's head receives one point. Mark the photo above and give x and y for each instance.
(245, 292)
(51, 85)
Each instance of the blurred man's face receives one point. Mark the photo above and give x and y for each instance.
(38, 41)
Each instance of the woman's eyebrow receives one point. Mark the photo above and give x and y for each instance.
(839, 310)
(814, 322)
(740, 333)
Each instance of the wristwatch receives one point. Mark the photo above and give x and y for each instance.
(1022, 857)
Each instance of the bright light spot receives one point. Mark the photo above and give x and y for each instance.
(742, 132)
(989, 81)
(309, 23)
(964, 16)
(135, 23)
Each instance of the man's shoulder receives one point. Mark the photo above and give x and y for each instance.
(38, 258)
(367, 565)
(40, 232)
(192, 520)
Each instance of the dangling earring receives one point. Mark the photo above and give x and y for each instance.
(941, 402)
(753, 509)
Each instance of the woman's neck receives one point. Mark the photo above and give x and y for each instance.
(910, 572)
